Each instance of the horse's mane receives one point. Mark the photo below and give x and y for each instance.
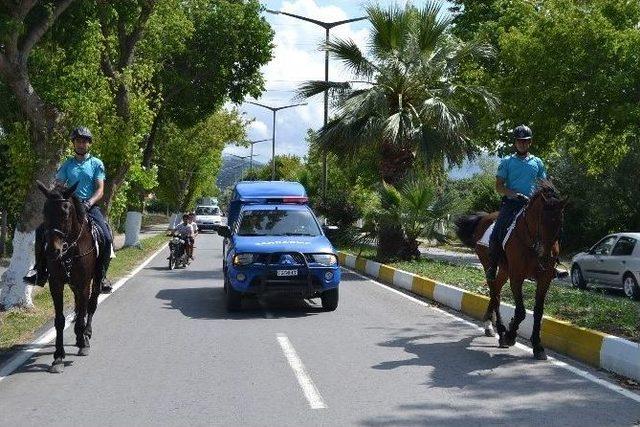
(546, 187)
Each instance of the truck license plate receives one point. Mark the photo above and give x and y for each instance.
(283, 273)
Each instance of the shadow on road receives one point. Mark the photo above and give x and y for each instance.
(467, 369)
(209, 303)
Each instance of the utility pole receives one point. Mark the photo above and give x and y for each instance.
(327, 26)
(274, 110)
(251, 157)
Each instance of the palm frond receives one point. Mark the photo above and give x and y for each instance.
(311, 88)
(348, 52)
(390, 30)
(432, 26)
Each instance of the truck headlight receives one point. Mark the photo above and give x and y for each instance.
(242, 259)
(328, 260)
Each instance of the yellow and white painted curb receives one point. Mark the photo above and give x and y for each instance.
(595, 348)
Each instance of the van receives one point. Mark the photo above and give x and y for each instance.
(274, 245)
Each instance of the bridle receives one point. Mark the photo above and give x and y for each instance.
(66, 246)
(536, 244)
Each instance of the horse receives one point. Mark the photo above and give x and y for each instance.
(530, 252)
(71, 258)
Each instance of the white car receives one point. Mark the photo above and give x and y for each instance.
(208, 217)
(612, 262)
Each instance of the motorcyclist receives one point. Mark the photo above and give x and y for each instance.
(185, 231)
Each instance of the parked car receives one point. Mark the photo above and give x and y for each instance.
(274, 245)
(612, 262)
(208, 217)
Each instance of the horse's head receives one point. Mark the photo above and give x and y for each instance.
(547, 201)
(61, 209)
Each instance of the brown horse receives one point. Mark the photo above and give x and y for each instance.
(71, 258)
(531, 252)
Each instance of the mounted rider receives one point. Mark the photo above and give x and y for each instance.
(88, 171)
(516, 180)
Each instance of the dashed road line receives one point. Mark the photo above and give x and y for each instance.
(308, 388)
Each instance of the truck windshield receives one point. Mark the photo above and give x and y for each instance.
(207, 210)
(278, 223)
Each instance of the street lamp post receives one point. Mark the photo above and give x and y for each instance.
(274, 110)
(251, 158)
(327, 26)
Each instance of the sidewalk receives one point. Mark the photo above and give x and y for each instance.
(118, 241)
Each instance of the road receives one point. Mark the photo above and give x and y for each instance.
(165, 352)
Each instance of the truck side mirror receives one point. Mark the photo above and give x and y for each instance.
(224, 231)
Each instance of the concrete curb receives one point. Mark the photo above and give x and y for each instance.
(595, 348)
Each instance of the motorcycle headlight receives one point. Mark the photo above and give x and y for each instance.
(328, 260)
(242, 259)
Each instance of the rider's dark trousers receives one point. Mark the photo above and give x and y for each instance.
(96, 215)
(509, 208)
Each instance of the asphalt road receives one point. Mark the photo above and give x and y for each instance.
(165, 352)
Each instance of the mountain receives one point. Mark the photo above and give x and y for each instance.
(232, 169)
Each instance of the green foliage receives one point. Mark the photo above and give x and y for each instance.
(288, 168)
(189, 160)
(477, 193)
(406, 100)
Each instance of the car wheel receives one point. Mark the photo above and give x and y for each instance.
(329, 299)
(577, 279)
(234, 299)
(630, 286)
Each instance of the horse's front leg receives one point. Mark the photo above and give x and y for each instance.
(56, 287)
(82, 341)
(541, 293)
(520, 311)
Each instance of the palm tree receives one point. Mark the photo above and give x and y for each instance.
(405, 99)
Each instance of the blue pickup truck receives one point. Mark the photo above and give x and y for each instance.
(274, 245)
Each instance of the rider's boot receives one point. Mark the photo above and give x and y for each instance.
(494, 259)
(38, 275)
(105, 284)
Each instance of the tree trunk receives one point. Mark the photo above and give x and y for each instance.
(3, 232)
(395, 163)
(111, 187)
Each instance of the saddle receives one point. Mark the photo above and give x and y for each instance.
(484, 241)
(99, 240)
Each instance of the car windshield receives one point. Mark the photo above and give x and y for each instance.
(278, 222)
(207, 210)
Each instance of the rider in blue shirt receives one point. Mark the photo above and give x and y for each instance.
(516, 180)
(88, 172)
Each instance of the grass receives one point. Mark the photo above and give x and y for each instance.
(590, 309)
(18, 326)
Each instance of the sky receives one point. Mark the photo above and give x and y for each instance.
(296, 58)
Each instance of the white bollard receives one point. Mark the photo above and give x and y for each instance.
(132, 229)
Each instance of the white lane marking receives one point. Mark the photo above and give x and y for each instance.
(308, 388)
(606, 384)
(47, 337)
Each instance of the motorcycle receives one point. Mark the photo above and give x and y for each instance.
(178, 253)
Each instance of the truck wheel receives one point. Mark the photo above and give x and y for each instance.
(234, 299)
(329, 299)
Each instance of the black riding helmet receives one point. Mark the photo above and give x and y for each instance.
(522, 132)
(81, 132)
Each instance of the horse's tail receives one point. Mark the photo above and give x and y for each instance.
(466, 225)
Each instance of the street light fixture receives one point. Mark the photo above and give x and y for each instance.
(327, 26)
(273, 135)
(252, 144)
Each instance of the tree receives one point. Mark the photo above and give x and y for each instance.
(189, 160)
(23, 26)
(405, 101)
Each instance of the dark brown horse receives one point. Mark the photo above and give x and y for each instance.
(531, 252)
(71, 258)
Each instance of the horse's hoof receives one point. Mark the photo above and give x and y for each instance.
(489, 333)
(83, 351)
(540, 355)
(57, 367)
(502, 343)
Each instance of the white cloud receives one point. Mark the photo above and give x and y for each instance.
(257, 130)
